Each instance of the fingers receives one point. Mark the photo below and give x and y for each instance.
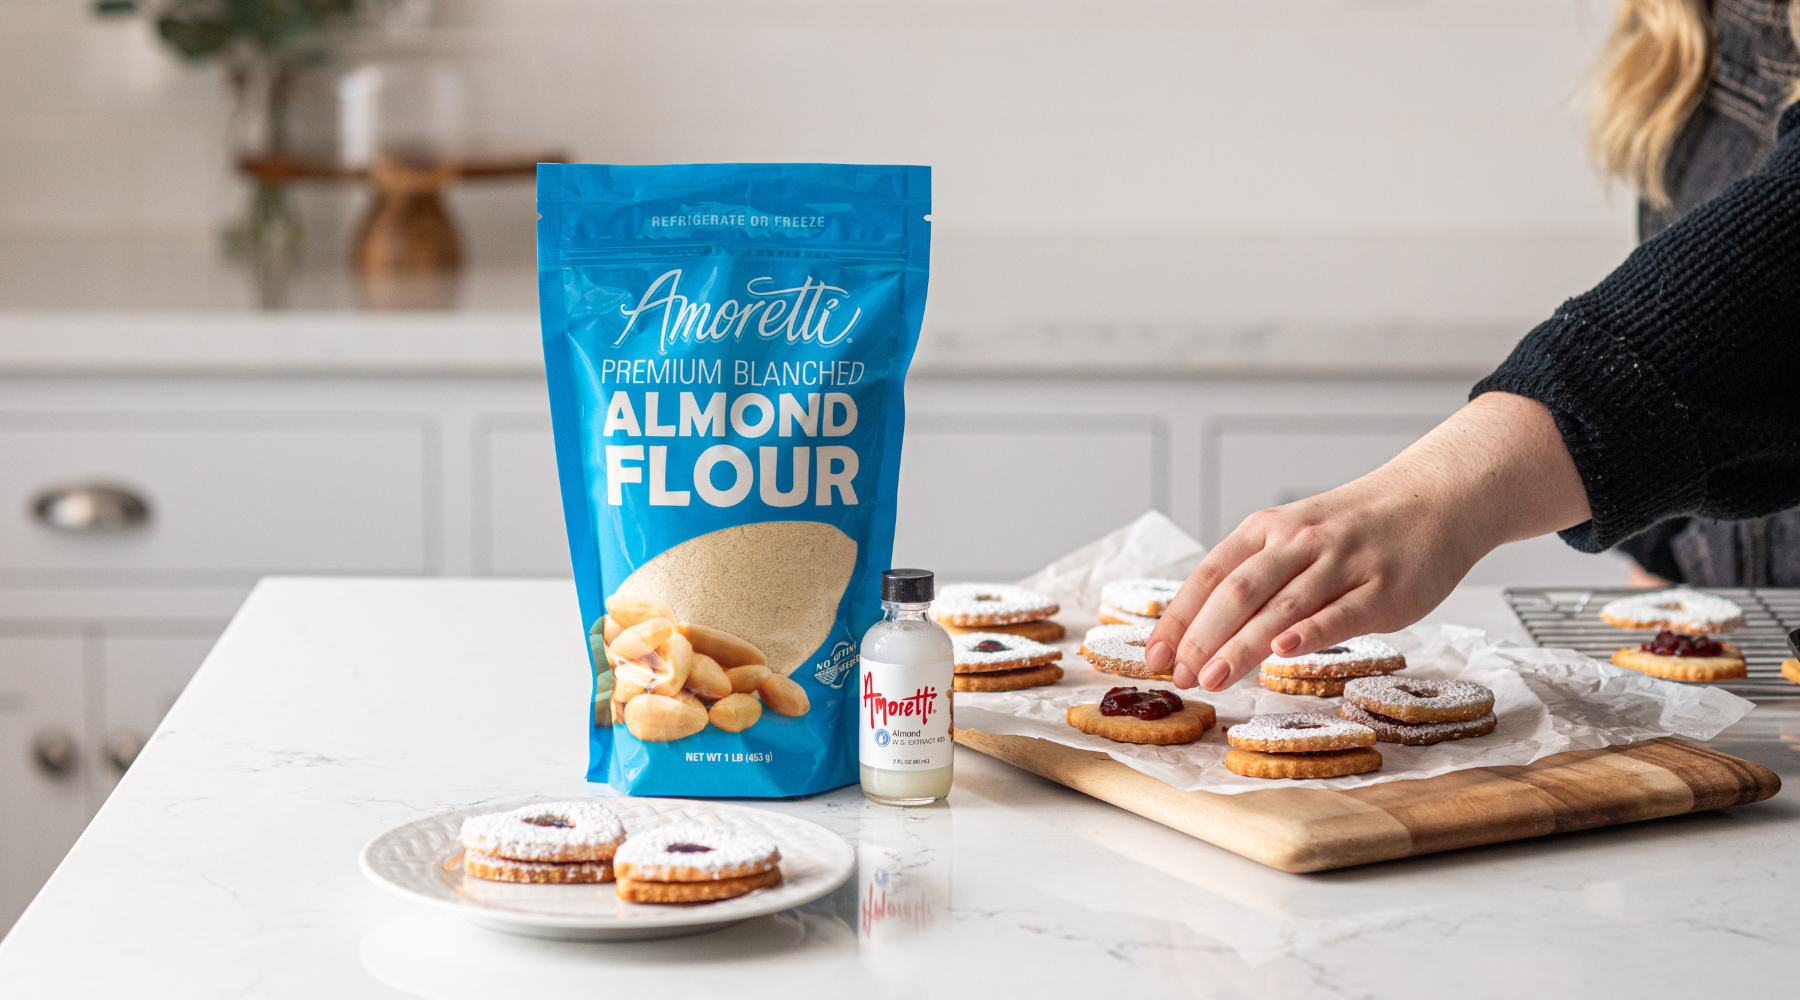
(1340, 619)
(1234, 603)
(1346, 618)
(1241, 651)
(1165, 637)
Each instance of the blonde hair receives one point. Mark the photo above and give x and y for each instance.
(1648, 80)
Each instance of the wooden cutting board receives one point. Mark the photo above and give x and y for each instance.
(1315, 829)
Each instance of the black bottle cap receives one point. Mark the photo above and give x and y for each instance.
(907, 586)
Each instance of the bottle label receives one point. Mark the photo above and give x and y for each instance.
(906, 715)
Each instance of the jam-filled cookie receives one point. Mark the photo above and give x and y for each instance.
(553, 832)
(691, 863)
(497, 869)
(1035, 631)
(996, 661)
(1359, 657)
(1419, 733)
(1415, 699)
(1317, 764)
(1147, 596)
(1119, 649)
(1127, 715)
(1683, 658)
(1675, 610)
(976, 605)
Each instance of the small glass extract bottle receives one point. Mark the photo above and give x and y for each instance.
(907, 674)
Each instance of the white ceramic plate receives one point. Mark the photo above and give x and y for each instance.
(422, 861)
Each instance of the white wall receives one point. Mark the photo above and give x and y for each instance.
(1351, 161)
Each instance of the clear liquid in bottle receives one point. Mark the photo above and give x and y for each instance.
(906, 685)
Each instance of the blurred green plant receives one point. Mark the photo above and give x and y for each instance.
(203, 29)
(262, 45)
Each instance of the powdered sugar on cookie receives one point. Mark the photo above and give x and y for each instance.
(1013, 650)
(1679, 609)
(717, 851)
(1416, 693)
(1363, 647)
(1117, 642)
(1140, 596)
(1308, 726)
(991, 604)
(554, 831)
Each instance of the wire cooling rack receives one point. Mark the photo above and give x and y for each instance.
(1570, 618)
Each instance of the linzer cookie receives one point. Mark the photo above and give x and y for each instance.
(1158, 718)
(1146, 596)
(1414, 699)
(691, 863)
(1323, 673)
(975, 605)
(553, 832)
(1300, 745)
(996, 661)
(1119, 649)
(1419, 733)
(1358, 657)
(1675, 610)
(1110, 615)
(1045, 631)
(1683, 658)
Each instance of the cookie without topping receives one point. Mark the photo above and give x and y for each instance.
(1008, 680)
(1319, 687)
(496, 869)
(1326, 764)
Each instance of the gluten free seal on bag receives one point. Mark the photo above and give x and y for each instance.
(726, 347)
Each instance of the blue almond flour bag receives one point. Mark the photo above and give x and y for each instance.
(727, 346)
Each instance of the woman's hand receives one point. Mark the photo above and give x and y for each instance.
(1374, 555)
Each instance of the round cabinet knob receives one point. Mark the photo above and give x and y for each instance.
(54, 750)
(123, 747)
(90, 508)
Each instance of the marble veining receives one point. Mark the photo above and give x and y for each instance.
(225, 865)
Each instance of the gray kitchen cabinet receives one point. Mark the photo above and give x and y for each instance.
(140, 678)
(45, 770)
(518, 526)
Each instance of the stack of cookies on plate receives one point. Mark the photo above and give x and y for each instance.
(1136, 601)
(696, 863)
(996, 607)
(999, 661)
(556, 843)
(1300, 745)
(1416, 711)
(1325, 672)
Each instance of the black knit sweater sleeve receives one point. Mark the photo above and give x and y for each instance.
(1676, 381)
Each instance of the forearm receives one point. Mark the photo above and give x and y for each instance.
(1501, 465)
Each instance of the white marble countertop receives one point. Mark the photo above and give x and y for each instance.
(226, 862)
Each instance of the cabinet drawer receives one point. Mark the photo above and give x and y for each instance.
(42, 810)
(995, 497)
(518, 502)
(1255, 465)
(224, 494)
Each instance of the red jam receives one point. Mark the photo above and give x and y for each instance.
(991, 646)
(689, 849)
(1669, 643)
(1141, 704)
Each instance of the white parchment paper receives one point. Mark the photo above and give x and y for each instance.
(1548, 700)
